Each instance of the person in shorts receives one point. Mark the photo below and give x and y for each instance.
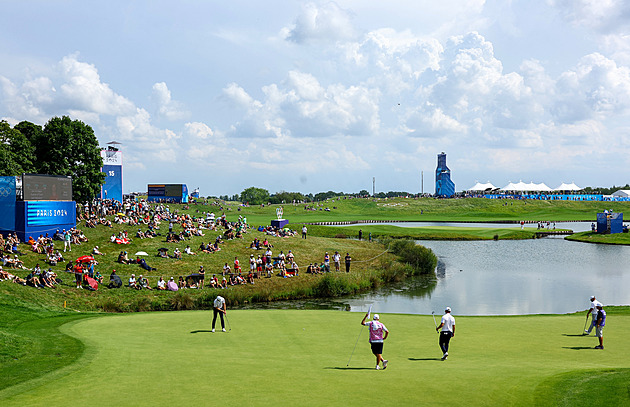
(378, 334)
(593, 311)
(599, 329)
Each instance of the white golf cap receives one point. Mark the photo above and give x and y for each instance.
(592, 297)
(375, 317)
(448, 309)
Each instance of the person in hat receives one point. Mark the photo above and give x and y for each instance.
(378, 334)
(219, 309)
(448, 331)
(593, 312)
(601, 322)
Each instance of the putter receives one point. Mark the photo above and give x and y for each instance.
(434, 321)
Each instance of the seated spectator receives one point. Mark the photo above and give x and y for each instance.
(144, 283)
(188, 251)
(226, 270)
(214, 282)
(97, 252)
(269, 269)
(250, 277)
(163, 252)
(123, 258)
(132, 281)
(177, 254)
(161, 284)
(224, 283)
(181, 283)
(98, 277)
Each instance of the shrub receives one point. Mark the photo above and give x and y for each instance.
(421, 259)
(182, 301)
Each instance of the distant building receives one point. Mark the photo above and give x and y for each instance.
(443, 185)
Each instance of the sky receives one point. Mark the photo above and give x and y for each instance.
(330, 95)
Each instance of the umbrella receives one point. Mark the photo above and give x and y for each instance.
(120, 214)
(85, 259)
(93, 283)
(141, 254)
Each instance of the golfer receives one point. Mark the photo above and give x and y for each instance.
(593, 312)
(448, 331)
(377, 338)
(601, 322)
(219, 309)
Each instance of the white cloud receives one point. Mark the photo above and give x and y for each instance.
(167, 107)
(326, 22)
(83, 90)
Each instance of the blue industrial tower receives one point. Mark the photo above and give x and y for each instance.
(443, 185)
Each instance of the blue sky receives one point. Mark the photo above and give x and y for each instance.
(317, 96)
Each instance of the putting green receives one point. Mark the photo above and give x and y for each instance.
(288, 357)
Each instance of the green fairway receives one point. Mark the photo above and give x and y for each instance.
(279, 357)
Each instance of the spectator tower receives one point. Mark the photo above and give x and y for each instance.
(444, 187)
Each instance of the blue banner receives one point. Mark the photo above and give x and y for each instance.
(41, 213)
(112, 188)
(7, 203)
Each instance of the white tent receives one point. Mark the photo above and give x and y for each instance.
(568, 187)
(523, 187)
(623, 193)
(479, 187)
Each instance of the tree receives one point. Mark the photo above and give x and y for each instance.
(255, 196)
(16, 152)
(69, 147)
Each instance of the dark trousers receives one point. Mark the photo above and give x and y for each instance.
(445, 338)
(347, 267)
(214, 319)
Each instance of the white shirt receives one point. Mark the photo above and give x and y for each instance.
(219, 302)
(449, 322)
(594, 305)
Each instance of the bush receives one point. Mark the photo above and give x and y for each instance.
(182, 301)
(332, 286)
(421, 259)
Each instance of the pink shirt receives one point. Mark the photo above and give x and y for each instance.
(376, 331)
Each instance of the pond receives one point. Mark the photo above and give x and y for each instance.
(505, 277)
(509, 277)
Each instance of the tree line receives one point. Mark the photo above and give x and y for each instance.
(61, 147)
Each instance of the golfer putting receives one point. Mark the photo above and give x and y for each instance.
(219, 309)
(448, 331)
(376, 339)
(593, 312)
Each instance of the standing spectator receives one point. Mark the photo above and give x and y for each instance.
(601, 322)
(66, 240)
(593, 311)
(202, 277)
(304, 230)
(376, 338)
(448, 331)
(348, 259)
(360, 234)
(327, 262)
(219, 309)
(336, 260)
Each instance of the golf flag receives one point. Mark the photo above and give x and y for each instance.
(369, 311)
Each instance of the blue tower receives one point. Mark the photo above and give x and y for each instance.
(443, 185)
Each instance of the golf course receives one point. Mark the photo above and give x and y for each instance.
(64, 346)
(283, 357)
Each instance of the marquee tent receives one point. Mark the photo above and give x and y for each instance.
(479, 187)
(568, 187)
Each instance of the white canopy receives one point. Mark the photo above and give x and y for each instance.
(568, 187)
(483, 187)
(523, 187)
